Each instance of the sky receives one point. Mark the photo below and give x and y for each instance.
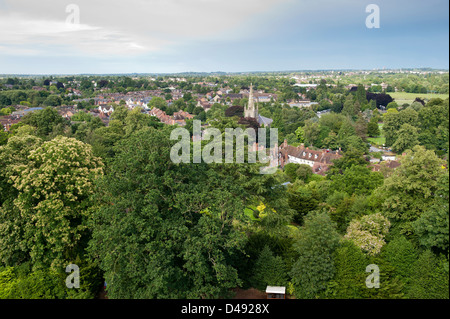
(172, 36)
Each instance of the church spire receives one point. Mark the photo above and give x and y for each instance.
(251, 110)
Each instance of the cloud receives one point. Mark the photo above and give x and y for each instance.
(18, 31)
(133, 27)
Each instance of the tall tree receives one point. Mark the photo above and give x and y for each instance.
(409, 191)
(171, 230)
(317, 241)
(54, 201)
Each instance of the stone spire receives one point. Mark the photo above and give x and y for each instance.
(251, 110)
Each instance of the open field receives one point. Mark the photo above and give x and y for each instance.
(403, 97)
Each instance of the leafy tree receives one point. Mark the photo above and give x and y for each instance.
(314, 268)
(291, 171)
(54, 189)
(373, 130)
(402, 255)
(368, 232)
(409, 191)
(269, 270)
(3, 137)
(235, 111)
(304, 172)
(53, 100)
(158, 102)
(349, 107)
(300, 133)
(429, 279)
(350, 277)
(171, 230)
(361, 95)
(432, 228)
(302, 199)
(356, 179)
(45, 120)
(407, 138)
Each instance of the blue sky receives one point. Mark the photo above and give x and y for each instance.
(165, 36)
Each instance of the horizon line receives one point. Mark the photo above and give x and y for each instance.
(224, 72)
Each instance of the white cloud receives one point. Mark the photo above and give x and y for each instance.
(115, 27)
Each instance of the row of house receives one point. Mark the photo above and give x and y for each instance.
(178, 118)
(321, 160)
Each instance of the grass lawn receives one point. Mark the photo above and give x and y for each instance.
(403, 97)
(378, 141)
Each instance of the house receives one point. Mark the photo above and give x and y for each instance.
(24, 112)
(389, 156)
(178, 118)
(233, 96)
(7, 121)
(376, 167)
(203, 104)
(182, 115)
(320, 161)
(105, 110)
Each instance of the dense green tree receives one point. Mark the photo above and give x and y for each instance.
(356, 179)
(429, 279)
(432, 228)
(170, 230)
(373, 129)
(314, 268)
(54, 202)
(269, 270)
(407, 138)
(410, 190)
(45, 120)
(350, 278)
(401, 254)
(302, 199)
(369, 232)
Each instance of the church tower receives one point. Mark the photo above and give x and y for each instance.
(251, 110)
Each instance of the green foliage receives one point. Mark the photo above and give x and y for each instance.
(23, 283)
(174, 222)
(269, 270)
(402, 255)
(316, 243)
(369, 232)
(408, 192)
(373, 129)
(350, 278)
(407, 138)
(356, 179)
(53, 201)
(432, 228)
(429, 278)
(302, 199)
(291, 171)
(45, 120)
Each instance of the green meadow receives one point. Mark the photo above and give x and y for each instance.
(403, 97)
